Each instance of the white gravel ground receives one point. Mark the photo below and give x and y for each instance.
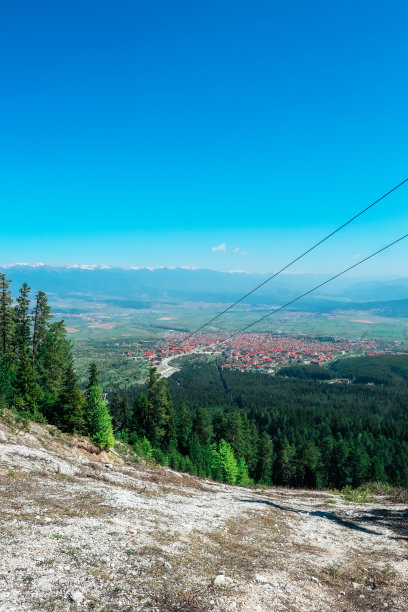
(77, 535)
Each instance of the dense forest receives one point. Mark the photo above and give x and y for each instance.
(388, 370)
(276, 430)
(37, 376)
(294, 429)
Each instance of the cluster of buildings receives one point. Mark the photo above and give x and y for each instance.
(261, 352)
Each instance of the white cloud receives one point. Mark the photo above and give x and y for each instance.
(236, 250)
(243, 253)
(221, 247)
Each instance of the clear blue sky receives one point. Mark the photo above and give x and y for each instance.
(149, 132)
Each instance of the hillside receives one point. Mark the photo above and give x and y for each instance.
(125, 536)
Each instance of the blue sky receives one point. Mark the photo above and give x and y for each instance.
(149, 132)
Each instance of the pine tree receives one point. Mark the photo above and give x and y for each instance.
(309, 461)
(25, 390)
(266, 459)
(6, 316)
(121, 413)
(243, 476)
(22, 332)
(159, 424)
(53, 356)
(341, 453)
(228, 463)
(93, 376)
(41, 315)
(203, 426)
(98, 419)
(140, 417)
(184, 428)
(286, 463)
(69, 409)
(6, 337)
(24, 382)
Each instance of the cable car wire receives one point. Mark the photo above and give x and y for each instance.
(338, 229)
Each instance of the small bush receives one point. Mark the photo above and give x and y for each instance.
(361, 495)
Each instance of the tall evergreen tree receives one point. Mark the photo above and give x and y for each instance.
(98, 420)
(309, 461)
(69, 408)
(25, 389)
(266, 459)
(41, 317)
(22, 331)
(228, 463)
(286, 463)
(93, 376)
(6, 316)
(184, 428)
(53, 356)
(6, 337)
(140, 417)
(160, 425)
(121, 413)
(203, 426)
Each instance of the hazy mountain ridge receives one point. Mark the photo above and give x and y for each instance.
(138, 288)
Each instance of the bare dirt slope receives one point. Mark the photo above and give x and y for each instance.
(76, 534)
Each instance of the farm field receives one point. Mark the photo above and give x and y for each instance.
(102, 332)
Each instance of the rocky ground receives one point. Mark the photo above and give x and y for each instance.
(87, 531)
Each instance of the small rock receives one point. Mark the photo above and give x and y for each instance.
(314, 579)
(167, 565)
(261, 579)
(108, 465)
(219, 580)
(47, 519)
(342, 593)
(355, 585)
(76, 597)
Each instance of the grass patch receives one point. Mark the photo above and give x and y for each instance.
(370, 577)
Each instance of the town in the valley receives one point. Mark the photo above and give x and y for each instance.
(262, 352)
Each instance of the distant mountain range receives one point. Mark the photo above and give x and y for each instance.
(143, 287)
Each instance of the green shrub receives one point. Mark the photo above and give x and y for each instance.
(361, 495)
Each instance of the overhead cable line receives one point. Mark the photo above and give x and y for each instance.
(314, 289)
(292, 262)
